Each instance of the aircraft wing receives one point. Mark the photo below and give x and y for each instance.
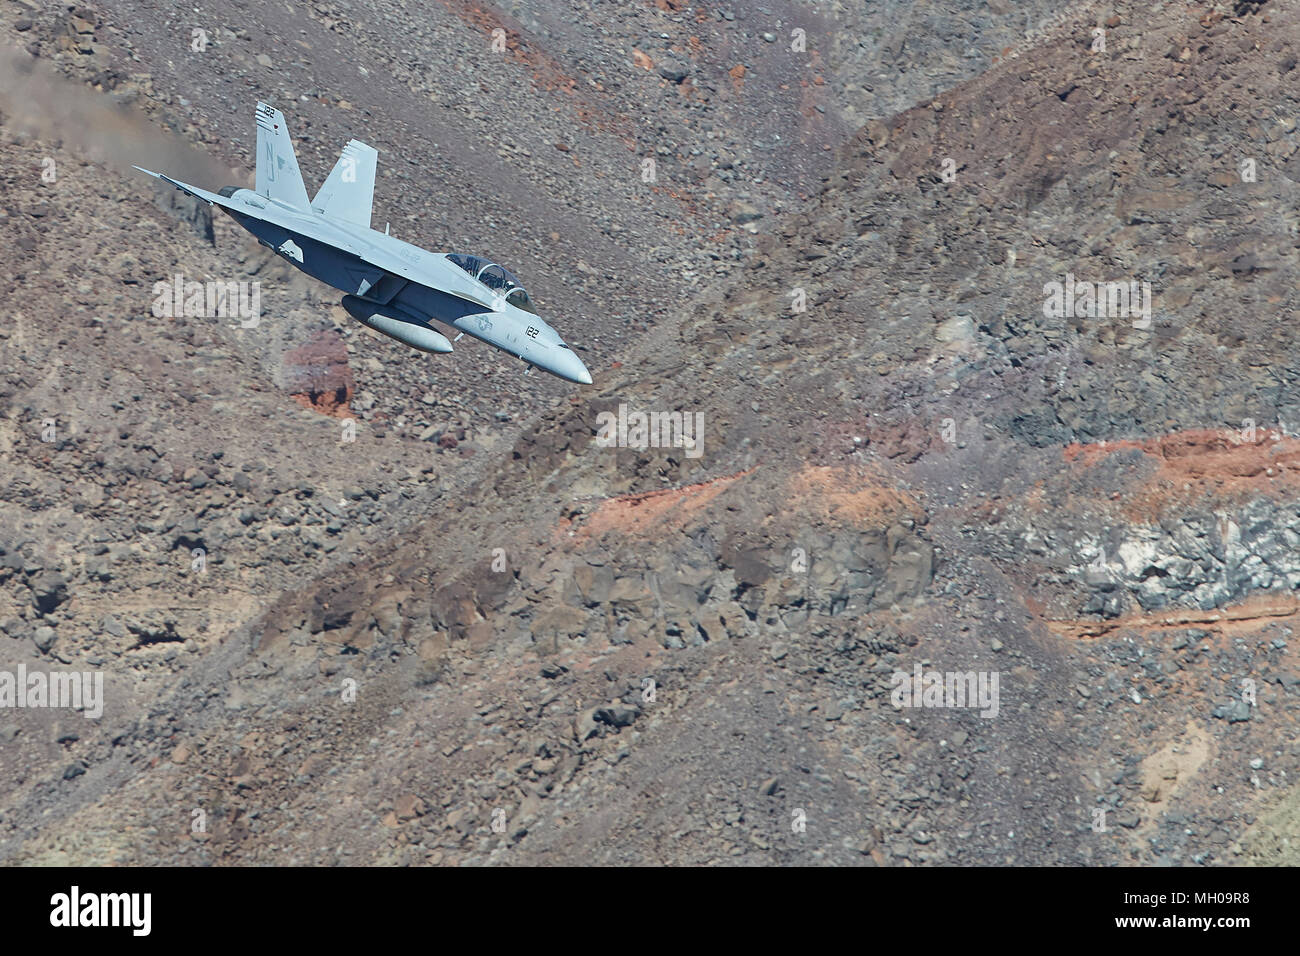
(195, 191)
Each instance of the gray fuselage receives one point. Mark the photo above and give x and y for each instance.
(343, 256)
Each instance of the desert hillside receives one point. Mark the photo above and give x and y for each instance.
(477, 634)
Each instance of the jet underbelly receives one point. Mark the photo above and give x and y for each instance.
(437, 304)
(318, 259)
(336, 267)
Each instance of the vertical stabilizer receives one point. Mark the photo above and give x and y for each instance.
(278, 177)
(349, 192)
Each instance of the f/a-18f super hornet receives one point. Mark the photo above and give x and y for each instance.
(390, 285)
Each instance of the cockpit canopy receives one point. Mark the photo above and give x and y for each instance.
(497, 278)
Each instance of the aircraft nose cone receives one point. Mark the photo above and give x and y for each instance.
(570, 366)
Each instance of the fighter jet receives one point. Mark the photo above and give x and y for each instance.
(389, 285)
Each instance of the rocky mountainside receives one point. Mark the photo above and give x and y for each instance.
(480, 634)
